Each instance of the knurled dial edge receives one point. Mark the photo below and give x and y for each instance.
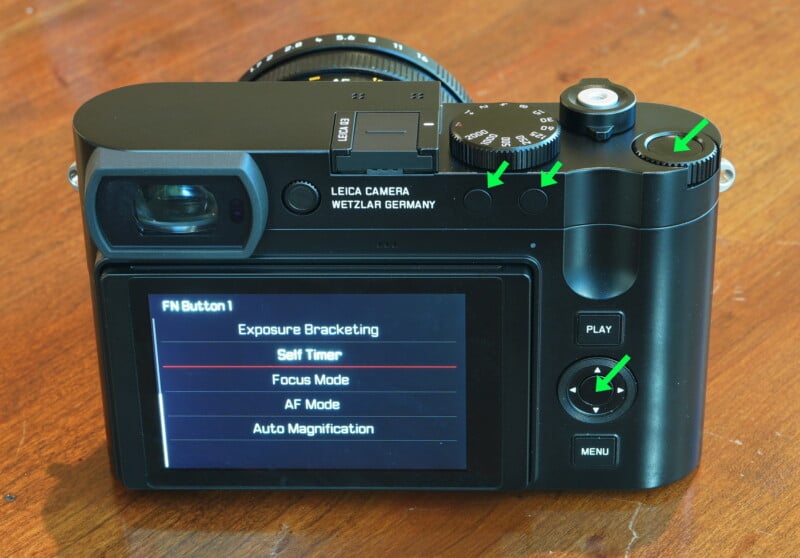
(523, 135)
(701, 159)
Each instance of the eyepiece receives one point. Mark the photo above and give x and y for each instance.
(187, 205)
(175, 208)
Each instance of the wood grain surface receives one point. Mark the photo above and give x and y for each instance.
(735, 62)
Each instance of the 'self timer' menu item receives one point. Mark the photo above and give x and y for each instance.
(311, 381)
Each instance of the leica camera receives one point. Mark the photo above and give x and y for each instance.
(340, 272)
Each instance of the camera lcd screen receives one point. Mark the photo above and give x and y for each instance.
(311, 381)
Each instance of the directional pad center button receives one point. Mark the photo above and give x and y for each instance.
(589, 394)
(578, 393)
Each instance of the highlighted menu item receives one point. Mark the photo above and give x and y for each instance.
(311, 381)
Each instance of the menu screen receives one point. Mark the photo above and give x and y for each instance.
(311, 381)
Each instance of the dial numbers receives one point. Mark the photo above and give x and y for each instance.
(524, 135)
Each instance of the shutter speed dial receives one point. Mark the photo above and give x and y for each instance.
(524, 135)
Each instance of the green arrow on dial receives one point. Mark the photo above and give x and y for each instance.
(682, 144)
(604, 383)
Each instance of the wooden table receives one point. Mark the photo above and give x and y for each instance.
(735, 62)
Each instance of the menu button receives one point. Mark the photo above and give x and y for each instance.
(594, 451)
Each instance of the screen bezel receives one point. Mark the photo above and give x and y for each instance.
(484, 321)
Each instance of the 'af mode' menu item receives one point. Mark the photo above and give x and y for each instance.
(311, 381)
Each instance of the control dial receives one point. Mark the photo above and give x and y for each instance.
(577, 390)
(524, 135)
(701, 158)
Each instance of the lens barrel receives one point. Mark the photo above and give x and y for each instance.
(353, 57)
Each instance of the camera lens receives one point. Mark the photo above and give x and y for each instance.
(353, 57)
(175, 208)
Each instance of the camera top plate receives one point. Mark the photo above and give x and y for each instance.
(392, 137)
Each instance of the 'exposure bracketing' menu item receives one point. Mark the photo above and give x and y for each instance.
(311, 381)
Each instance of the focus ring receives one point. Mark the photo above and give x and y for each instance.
(367, 63)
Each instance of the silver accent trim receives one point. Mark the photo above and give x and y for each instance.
(727, 175)
(72, 176)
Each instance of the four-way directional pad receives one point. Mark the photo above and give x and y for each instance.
(589, 395)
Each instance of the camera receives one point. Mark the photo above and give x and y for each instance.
(339, 272)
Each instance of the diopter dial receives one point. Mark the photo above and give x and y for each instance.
(524, 135)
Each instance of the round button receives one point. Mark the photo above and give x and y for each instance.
(588, 400)
(478, 201)
(533, 201)
(301, 197)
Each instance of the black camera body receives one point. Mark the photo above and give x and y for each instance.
(323, 285)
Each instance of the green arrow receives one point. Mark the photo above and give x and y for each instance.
(604, 384)
(493, 178)
(682, 144)
(547, 176)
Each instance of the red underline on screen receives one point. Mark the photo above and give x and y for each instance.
(301, 366)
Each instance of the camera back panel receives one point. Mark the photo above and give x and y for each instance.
(311, 285)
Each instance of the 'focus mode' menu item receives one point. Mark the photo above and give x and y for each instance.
(311, 381)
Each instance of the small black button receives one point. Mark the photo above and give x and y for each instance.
(603, 328)
(301, 197)
(533, 201)
(478, 201)
(594, 451)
